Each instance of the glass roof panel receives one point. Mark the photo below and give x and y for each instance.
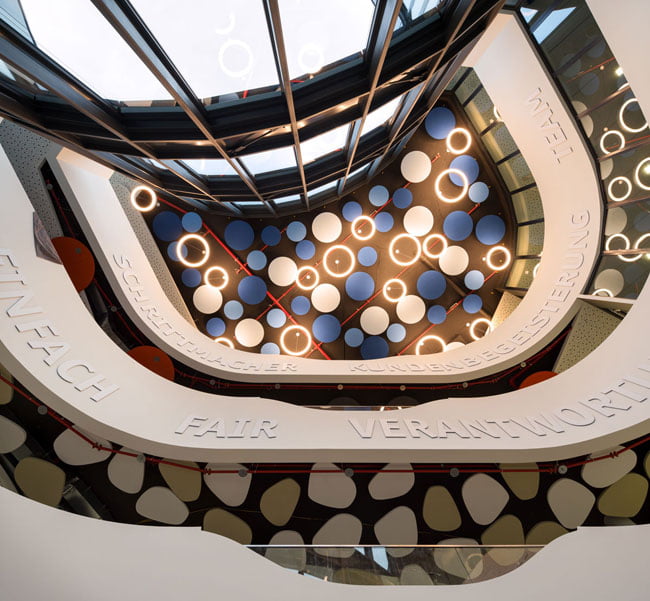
(319, 189)
(381, 114)
(319, 33)
(270, 160)
(323, 144)
(286, 199)
(210, 166)
(76, 35)
(219, 47)
(417, 8)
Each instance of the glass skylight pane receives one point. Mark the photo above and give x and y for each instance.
(357, 171)
(528, 13)
(319, 33)
(551, 23)
(324, 143)
(76, 35)
(380, 115)
(210, 166)
(269, 160)
(286, 199)
(220, 47)
(328, 186)
(417, 8)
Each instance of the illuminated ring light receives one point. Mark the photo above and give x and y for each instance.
(426, 339)
(329, 251)
(468, 138)
(183, 241)
(225, 341)
(222, 271)
(391, 249)
(302, 271)
(152, 196)
(488, 258)
(363, 219)
(240, 72)
(297, 329)
(463, 192)
(620, 178)
(426, 244)
(611, 132)
(535, 270)
(637, 173)
(318, 64)
(624, 125)
(472, 328)
(640, 240)
(605, 290)
(387, 285)
(623, 237)
(495, 112)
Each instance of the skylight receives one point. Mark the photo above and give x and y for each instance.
(270, 160)
(380, 115)
(210, 166)
(324, 143)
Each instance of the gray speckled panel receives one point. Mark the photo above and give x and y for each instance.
(123, 186)
(507, 305)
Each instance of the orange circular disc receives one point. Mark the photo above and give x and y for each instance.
(77, 260)
(536, 378)
(154, 359)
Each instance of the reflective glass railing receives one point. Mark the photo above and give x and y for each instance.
(400, 564)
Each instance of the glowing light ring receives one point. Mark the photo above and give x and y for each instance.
(637, 173)
(426, 339)
(426, 244)
(329, 251)
(363, 219)
(605, 290)
(240, 44)
(611, 132)
(620, 178)
(633, 258)
(640, 240)
(535, 270)
(389, 298)
(472, 327)
(463, 192)
(183, 241)
(623, 237)
(297, 329)
(468, 137)
(624, 125)
(225, 341)
(301, 272)
(488, 258)
(152, 196)
(391, 249)
(222, 271)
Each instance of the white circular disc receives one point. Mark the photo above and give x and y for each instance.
(418, 221)
(610, 279)
(374, 320)
(606, 168)
(325, 298)
(454, 260)
(616, 221)
(326, 227)
(207, 299)
(282, 271)
(415, 166)
(452, 345)
(411, 309)
(249, 332)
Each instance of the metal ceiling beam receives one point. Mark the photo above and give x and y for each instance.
(128, 24)
(274, 23)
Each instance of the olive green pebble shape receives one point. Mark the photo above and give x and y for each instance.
(184, 482)
(544, 532)
(279, 501)
(624, 498)
(227, 524)
(40, 480)
(440, 511)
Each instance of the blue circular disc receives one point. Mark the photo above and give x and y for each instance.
(256, 260)
(396, 332)
(305, 249)
(458, 225)
(439, 122)
(239, 235)
(354, 337)
(191, 277)
(478, 192)
(402, 198)
(374, 347)
(352, 210)
(296, 231)
(436, 314)
(472, 303)
(276, 318)
(367, 256)
(378, 195)
(215, 326)
(490, 229)
(167, 226)
(384, 222)
(300, 305)
(252, 289)
(192, 222)
(326, 328)
(171, 251)
(360, 286)
(468, 165)
(474, 279)
(271, 235)
(431, 284)
(270, 348)
(233, 309)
